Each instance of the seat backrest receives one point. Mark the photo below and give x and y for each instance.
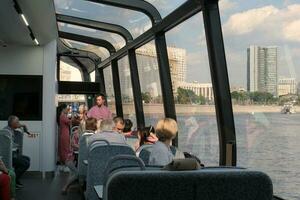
(18, 139)
(144, 152)
(83, 155)
(6, 147)
(99, 154)
(221, 184)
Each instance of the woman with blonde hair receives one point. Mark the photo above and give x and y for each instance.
(166, 130)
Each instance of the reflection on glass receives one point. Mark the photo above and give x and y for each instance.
(92, 76)
(150, 83)
(193, 91)
(167, 6)
(100, 51)
(110, 95)
(262, 56)
(126, 90)
(136, 22)
(116, 40)
(69, 71)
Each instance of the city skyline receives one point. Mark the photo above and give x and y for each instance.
(243, 24)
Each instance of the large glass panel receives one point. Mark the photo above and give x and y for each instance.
(134, 21)
(126, 90)
(100, 51)
(116, 40)
(262, 46)
(150, 83)
(193, 92)
(92, 76)
(110, 94)
(167, 6)
(69, 70)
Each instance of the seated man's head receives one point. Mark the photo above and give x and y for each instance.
(91, 124)
(166, 129)
(119, 124)
(13, 122)
(127, 125)
(107, 125)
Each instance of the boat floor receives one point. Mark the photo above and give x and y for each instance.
(37, 188)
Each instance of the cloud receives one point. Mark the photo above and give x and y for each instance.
(247, 21)
(227, 5)
(268, 24)
(292, 31)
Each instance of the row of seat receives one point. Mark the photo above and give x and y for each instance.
(6, 147)
(115, 169)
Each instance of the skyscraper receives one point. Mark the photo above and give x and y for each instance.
(262, 69)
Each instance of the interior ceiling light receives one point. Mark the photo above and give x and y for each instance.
(24, 19)
(19, 11)
(36, 41)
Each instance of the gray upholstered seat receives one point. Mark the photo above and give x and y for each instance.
(144, 152)
(6, 147)
(207, 184)
(83, 155)
(100, 153)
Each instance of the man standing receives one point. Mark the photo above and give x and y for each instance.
(99, 111)
(20, 162)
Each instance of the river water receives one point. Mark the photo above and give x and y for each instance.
(269, 142)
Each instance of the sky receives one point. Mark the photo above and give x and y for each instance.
(244, 23)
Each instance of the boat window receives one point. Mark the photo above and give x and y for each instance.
(167, 6)
(116, 40)
(262, 57)
(100, 51)
(126, 90)
(150, 83)
(69, 70)
(192, 88)
(92, 76)
(110, 95)
(134, 21)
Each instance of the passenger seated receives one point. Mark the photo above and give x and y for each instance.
(4, 186)
(127, 132)
(90, 126)
(107, 132)
(119, 124)
(161, 153)
(146, 135)
(12, 181)
(20, 162)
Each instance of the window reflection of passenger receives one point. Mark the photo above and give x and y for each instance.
(194, 130)
(253, 129)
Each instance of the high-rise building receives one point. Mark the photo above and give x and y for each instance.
(262, 69)
(286, 86)
(149, 72)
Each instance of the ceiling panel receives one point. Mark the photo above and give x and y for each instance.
(39, 14)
